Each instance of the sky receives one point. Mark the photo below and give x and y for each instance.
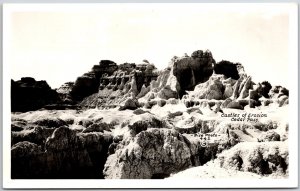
(58, 43)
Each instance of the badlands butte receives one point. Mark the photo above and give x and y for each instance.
(133, 121)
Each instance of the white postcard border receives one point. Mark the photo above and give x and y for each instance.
(292, 181)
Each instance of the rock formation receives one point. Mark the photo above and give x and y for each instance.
(152, 153)
(108, 85)
(133, 121)
(88, 83)
(28, 94)
(228, 69)
(211, 89)
(64, 92)
(59, 153)
(260, 158)
(127, 81)
(189, 71)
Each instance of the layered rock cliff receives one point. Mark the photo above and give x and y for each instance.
(126, 82)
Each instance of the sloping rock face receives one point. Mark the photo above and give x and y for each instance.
(88, 83)
(126, 82)
(165, 87)
(152, 153)
(28, 94)
(213, 88)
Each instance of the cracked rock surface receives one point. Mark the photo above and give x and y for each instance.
(154, 152)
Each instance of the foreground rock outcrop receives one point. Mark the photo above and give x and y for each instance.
(152, 153)
(260, 158)
(141, 143)
(59, 153)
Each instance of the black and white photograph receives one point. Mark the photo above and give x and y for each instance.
(196, 95)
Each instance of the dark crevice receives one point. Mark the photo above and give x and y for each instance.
(264, 167)
(240, 162)
(283, 165)
(160, 176)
